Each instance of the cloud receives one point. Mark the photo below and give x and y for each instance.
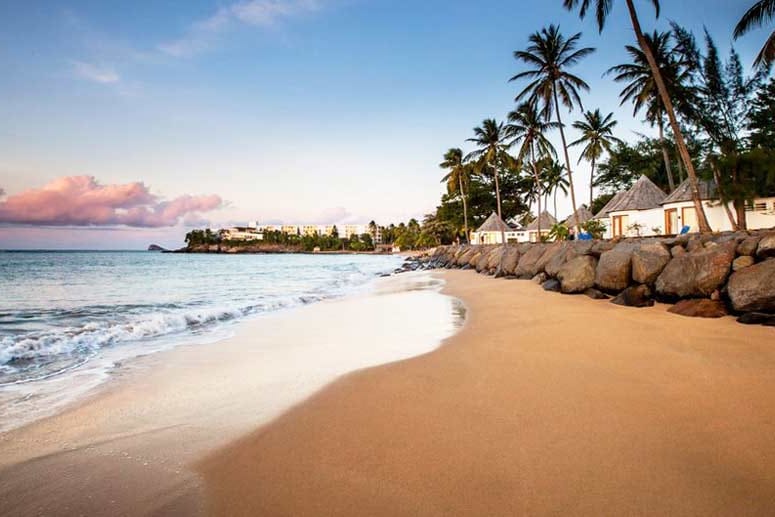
(95, 73)
(203, 34)
(82, 201)
(2, 192)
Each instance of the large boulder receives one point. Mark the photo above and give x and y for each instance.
(596, 294)
(577, 275)
(509, 263)
(757, 318)
(743, 261)
(551, 285)
(552, 267)
(766, 247)
(600, 247)
(474, 260)
(495, 257)
(696, 274)
(634, 296)
(649, 261)
(614, 268)
(699, 308)
(464, 255)
(556, 249)
(753, 288)
(748, 245)
(527, 262)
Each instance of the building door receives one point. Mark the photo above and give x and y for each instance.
(689, 218)
(671, 221)
(620, 225)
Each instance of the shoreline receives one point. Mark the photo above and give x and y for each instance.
(127, 447)
(528, 409)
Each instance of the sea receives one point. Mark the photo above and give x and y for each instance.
(80, 313)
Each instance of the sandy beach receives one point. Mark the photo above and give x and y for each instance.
(542, 405)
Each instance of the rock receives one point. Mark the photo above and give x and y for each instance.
(553, 266)
(595, 294)
(551, 285)
(677, 251)
(648, 262)
(748, 245)
(577, 275)
(715, 295)
(613, 270)
(465, 256)
(766, 247)
(634, 296)
(753, 288)
(757, 318)
(699, 308)
(474, 260)
(742, 261)
(553, 250)
(694, 244)
(509, 263)
(527, 262)
(696, 274)
(540, 278)
(600, 247)
(156, 247)
(495, 257)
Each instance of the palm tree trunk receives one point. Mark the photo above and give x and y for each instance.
(591, 184)
(465, 210)
(498, 200)
(665, 155)
(567, 159)
(668, 104)
(722, 198)
(538, 187)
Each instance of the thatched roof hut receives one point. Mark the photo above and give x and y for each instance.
(603, 213)
(579, 217)
(643, 195)
(547, 221)
(493, 224)
(683, 192)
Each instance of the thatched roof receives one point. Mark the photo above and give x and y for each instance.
(643, 195)
(494, 224)
(683, 192)
(547, 221)
(603, 213)
(580, 216)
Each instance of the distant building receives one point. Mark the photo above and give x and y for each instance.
(547, 221)
(494, 230)
(240, 233)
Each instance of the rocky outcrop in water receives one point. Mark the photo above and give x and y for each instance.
(710, 275)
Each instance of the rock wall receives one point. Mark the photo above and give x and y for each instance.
(710, 275)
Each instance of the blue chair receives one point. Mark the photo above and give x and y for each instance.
(585, 236)
(685, 229)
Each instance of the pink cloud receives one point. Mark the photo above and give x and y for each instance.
(82, 201)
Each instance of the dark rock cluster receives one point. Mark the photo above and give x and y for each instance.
(704, 275)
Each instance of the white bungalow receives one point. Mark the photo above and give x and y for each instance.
(493, 230)
(579, 217)
(602, 215)
(679, 210)
(638, 212)
(547, 221)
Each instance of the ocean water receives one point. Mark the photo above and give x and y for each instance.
(62, 313)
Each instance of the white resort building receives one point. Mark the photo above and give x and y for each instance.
(255, 231)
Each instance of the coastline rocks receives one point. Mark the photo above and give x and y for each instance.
(556, 249)
(551, 285)
(577, 275)
(596, 294)
(648, 262)
(508, 265)
(495, 257)
(677, 251)
(766, 247)
(741, 262)
(465, 256)
(753, 288)
(696, 274)
(635, 296)
(699, 308)
(614, 267)
(748, 246)
(553, 266)
(540, 278)
(527, 262)
(600, 247)
(757, 318)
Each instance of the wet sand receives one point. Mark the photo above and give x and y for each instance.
(542, 405)
(128, 449)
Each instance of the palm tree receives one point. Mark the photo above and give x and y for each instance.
(554, 180)
(550, 54)
(458, 177)
(760, 13)
(602, 10)
(528, 128)
(641, 89)
(490, 139)
(597, 137)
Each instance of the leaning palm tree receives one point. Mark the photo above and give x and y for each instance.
(602, 10)
(458, 178)
(554, 180)
(528, 129)
(641, 88)
(491, 153)
(550, 54)
(597, 138)
(760, 13)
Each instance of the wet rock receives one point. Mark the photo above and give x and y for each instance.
(596, 294)
(757, 318)
(699, 308)
(540, 278)
(614, 268)
(696, 274)
(635, 296)
(648, 262)
(527, 262)
(551, 285)
(748, 245)
(577, 275)
(753, 288)
(677, 251)
(766, 247)
(741, 262)
(509, 263)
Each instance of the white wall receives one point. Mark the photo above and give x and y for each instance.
(648, 219)
(718, 219)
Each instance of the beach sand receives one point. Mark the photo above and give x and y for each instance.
(542, 405)
(128, 449)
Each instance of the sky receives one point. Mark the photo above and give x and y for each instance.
(128, 123)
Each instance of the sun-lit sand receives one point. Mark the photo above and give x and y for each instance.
(128, 450)
(542, 405)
